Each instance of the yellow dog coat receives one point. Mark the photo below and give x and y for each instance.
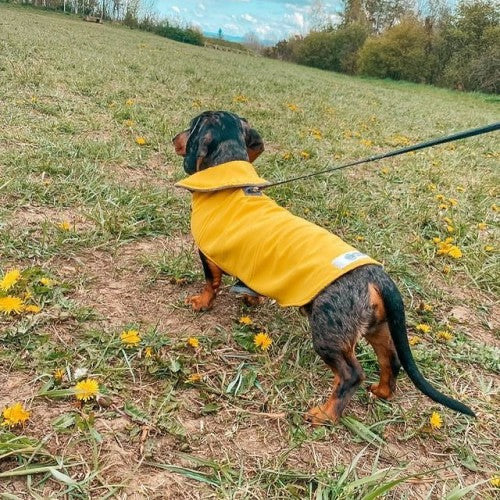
(252, 238)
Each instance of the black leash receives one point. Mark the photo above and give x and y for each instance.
(396, 152)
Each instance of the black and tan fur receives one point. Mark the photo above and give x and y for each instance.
(363, 303)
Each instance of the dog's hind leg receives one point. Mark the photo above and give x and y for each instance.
(381, 341)
(379, 337)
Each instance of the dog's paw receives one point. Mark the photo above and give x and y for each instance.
(382, 392)
(321, 415)
(253, 301)
(199, 303)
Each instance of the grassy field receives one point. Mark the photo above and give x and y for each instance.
(91, 219)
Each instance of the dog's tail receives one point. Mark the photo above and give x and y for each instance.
(397, 326)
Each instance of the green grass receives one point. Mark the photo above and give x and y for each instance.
(74, 97)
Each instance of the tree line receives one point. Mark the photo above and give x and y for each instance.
(457, 48)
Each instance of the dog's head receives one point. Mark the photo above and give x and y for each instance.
(216, 137)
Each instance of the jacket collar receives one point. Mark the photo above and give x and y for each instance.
(234, 174)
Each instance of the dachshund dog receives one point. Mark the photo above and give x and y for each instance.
(232, 226)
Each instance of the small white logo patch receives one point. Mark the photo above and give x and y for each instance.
(347, 258)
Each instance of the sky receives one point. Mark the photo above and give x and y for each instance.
(270, 20)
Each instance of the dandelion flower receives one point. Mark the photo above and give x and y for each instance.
(130, 338)
(86, 389)
(446, 269)
(495, 208)
(64, 225)
(292, 107)
(262, 340)
(489, 248)
(193, 342)
(495, 481)
(414, 340)
(450, 229)
(11, 304)
(32, 309)
(444, 335)
(367, 142)
(140, 140)
(440, 197)
(427, 307)
(316, 133)
(305, 155)
(240, 98)
(49, 283)
(58, 375)
(431, 187)
(385, 170)
(130, 102)
(193, 378)
(435, 420)
(360, 238)
(245, 320)
(15, 415)
(148, 352)
(443, 206)
(455, 252)
(286, 155)
(482, 225)
(453, 201)
(10, 279)
(129, 123)
(422, 327)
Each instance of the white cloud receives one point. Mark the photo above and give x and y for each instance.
(201, 6)
(249, 18)
(176, 9)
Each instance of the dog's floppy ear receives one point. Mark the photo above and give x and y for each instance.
(253, 141)
(196, 150)
(180, 141)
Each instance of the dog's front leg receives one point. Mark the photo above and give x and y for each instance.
(213, 275)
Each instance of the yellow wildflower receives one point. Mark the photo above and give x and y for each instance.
(367, 142)
(193, 342)
(447, 220)
(64, 225)
(305, 155)
(130, 338)
(495, 208)
(316, 133)
(431, 187)
(444, 335)
(446, 269)
(453, 201)
(440, 197)
(286, 155)
(240, 98)
(422, 327)
(435, 420)
(193, 378)
(436, 239)
(489, 248)
(455, 252)
(148, 352)
(292, 107)
(482, 225)
(15, 415)
(130, 102)
(427, 307)
(140, 140)
(58, 375)
(495, 481)
(360, 238)
(400, 140)
(32, 309)
(11, 304)
(49, 283)
(444, 206)
(414, 340)
(86, 389)
(128, 123)
(196, 104)
(450, 229)
(245, 320)
(10, 279)
(385, 170)
(262, 340)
